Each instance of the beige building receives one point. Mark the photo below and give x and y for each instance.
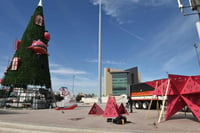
(117, 82)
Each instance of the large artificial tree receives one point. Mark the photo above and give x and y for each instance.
(30, 65)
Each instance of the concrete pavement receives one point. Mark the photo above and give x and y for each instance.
(78, 120)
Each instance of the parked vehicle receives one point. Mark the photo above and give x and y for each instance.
(142, 95)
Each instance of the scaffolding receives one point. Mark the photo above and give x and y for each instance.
(34, 98)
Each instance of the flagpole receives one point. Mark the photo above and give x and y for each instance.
(99, 58)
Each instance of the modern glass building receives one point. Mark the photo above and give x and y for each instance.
(117, 82)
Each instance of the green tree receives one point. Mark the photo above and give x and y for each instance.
(32, 67)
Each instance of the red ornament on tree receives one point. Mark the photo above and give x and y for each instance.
(47, 36)
(39, 47)
(17, 44)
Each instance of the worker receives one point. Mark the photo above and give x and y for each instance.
(130, 103)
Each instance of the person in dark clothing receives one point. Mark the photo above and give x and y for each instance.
(130, 103)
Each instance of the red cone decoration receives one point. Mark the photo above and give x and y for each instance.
(122, 109)
(111, 108)
(95, 110)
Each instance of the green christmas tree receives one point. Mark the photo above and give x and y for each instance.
(30, 65)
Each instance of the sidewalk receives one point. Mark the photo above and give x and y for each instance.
(78, 120)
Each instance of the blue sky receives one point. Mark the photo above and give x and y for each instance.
(151, 34)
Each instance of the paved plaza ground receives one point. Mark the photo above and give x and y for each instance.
(78, 121)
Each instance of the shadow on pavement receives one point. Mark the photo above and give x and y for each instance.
(7, 112)
(182, 116)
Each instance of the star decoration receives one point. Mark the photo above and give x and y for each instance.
(182, 91)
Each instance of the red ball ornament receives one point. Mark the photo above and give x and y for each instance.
(47, 36)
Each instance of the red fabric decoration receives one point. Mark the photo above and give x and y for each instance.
(67, 108)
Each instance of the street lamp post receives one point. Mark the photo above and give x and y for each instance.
(73, 84)
(99, 58)
(195, 6)
(196, 47)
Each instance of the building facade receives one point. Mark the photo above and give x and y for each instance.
(117, 82)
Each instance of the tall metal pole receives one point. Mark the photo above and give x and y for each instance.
(99, 57)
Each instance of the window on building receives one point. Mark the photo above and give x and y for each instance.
(119, 83)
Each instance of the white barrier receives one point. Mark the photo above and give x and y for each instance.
(119, 99)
